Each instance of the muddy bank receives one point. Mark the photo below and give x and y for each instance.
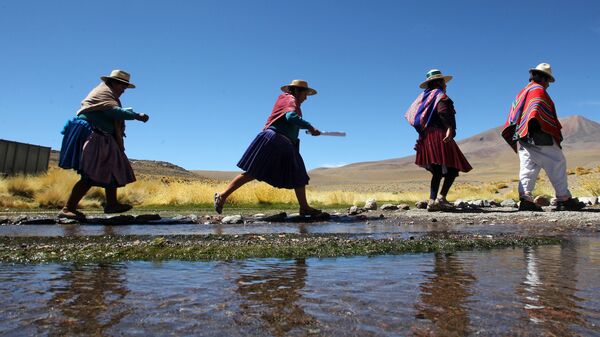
(228, 247)
(587, 220)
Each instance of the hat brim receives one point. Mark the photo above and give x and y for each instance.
(129, 85)
(446, 79)
(310, 91)
(543, 72)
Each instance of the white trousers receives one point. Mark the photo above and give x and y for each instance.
(550, 158)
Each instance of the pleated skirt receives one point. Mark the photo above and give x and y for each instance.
(95, 155)
(431, 150)
(274, 159)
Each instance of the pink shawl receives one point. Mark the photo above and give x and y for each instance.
(285, 103)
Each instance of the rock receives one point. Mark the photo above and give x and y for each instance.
(404, 207)
(589, 200)
(389, 207)
(38, 221)
(421, 204)
(63, 221)
(232, 219)
(460, 203)
(114, 220)
(434, 220)
(147, 217)
(553, 202)
(279, 217)
(476, 203)
(258, 216)
(508, 203)
(541, 200)
(353, 210)
(371, 204)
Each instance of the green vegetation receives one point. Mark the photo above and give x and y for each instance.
(229, 247)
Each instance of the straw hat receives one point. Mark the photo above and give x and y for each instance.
(434, 74)
(299, 84)
(544, 68)
(119, 75)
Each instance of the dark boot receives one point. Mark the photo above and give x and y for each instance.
(526, 205)
(571, 204)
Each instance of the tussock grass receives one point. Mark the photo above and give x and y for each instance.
(52, 189)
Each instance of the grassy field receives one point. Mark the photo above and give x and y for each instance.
(50, 191)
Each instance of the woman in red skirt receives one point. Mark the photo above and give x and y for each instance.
(432, 115)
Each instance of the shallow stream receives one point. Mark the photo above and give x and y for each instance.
(547, 290)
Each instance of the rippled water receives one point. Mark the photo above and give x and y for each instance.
(549, 290)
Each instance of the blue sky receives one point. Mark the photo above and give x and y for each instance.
(208, 72)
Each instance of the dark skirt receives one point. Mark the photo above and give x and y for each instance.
(431, 150)
(274, 159)
(95, 155)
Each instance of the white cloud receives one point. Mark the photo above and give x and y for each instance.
(334, 165)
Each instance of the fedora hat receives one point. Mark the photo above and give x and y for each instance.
(299, 84)
(119, 75)
(544, 68)
(434, 74)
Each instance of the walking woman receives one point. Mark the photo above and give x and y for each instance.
(273, 156)
(93, 145)
(432, 115)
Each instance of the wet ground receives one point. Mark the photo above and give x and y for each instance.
(549, 290)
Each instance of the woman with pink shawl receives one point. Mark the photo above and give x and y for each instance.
(93, 145)
(274, 156)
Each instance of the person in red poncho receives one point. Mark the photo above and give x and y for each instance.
(274, 156)
(533, 131)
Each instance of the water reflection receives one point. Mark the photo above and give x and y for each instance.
(272, 290)
(444, 295)
(86, 299)
(549, 289)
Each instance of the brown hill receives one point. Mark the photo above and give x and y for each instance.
(491, 158)
(150, 168)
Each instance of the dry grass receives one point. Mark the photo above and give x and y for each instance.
(51, 190)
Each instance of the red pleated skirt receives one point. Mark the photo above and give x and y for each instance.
(431, 150)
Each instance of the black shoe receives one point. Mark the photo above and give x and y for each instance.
(571, 204)
(526, 205)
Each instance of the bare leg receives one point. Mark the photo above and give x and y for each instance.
(79, 190)
(301, 195)
(236, 183)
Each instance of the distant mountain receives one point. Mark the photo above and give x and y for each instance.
(488, 153)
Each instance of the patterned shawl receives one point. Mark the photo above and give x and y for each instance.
(103, 98)
(285, 103)
(420, 112)
(533, 102)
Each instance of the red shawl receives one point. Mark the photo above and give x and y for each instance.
(285, 103)
(533, 102)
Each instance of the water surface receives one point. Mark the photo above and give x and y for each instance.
(548, 290)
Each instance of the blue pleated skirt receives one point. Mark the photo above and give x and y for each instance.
(274, 159)
(75, 133)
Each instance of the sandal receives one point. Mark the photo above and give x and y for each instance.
(444, 203)
(65, 213)
(118, 208)
(313, 212)
(218, 203)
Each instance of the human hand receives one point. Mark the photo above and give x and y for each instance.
(449, 136)
(314, 132)
(143, 117)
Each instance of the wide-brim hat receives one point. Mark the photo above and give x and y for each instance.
(299, 84)
(121, 76)
(434, 74)
(544, 68)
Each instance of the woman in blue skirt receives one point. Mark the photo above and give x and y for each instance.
(273, 156)
(93, 145)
